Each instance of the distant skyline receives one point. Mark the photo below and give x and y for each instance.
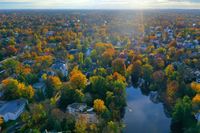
(99, 4)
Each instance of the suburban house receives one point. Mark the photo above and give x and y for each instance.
(76, 108)
(60, 66)
(82, 110)
(73, 51)
(11, 110)
(40, 86)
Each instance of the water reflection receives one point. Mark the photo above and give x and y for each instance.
(144, 116)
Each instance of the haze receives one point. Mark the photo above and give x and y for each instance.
(100, 4)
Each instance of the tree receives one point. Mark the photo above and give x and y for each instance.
(70, 95)
(147, 71)
(98, 86)
(77, 79)
(54, 81)
(100, 71)
(53, 85)
(94, 55)
(172, 43)
(1, 121)
(14, 89)
(160, 63)
(135, 71)
(195, 86)
(88, 62)
(80, 57)
(99, 105)
(158, 76)
(172, 91)
(44, 61)
(11, 65)
(107, 57)
(115, 97)
(113, 127)
(182, 116)
(11, 50)
(38, 113)
(119, 66)
(81, 125)
(169, 71)
(196, 99)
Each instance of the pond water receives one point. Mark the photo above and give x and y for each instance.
(144, 116)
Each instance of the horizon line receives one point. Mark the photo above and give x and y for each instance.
(100, 9)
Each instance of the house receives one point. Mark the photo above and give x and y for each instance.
(52, 45)
(11, 110)
(82, 110)
(88, 52)
(28, 62)
(197, 116)
(76, 107)
(158, 34)
(40, 86)
(50, 33)
(73, 51)
(60, 66)
(91, 117)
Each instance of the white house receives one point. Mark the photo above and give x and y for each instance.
(11, 110)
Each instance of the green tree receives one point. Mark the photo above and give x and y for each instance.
(98, 86)
(182, 116)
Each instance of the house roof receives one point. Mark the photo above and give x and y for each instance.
(12, 106)
(77, 105)
(39, 85)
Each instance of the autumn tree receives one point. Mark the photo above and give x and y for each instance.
(11, 65)
(77, 79)
(113, 127)
(99, 105)
(171, 92)
(70, 95)
(134, 70)
(53, 85)
(14, 89)
(81, 125)
(119, 66)
(195, 86)
(43, 61)
(107, 57)
(115, 97)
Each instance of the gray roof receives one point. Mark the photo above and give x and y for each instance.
(77, 105)
(12, 106)
(39, 85)
(59, 66)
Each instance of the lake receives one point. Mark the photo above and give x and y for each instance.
(144, 116)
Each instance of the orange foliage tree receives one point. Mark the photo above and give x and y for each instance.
(77, 79)
(99, 105)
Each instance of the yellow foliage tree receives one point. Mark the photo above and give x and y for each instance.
(196, 99)
(195, 86)
(81, 125)
(55, 82)
(99, 105)
(77, 79)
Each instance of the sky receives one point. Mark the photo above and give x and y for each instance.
(99, 4)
